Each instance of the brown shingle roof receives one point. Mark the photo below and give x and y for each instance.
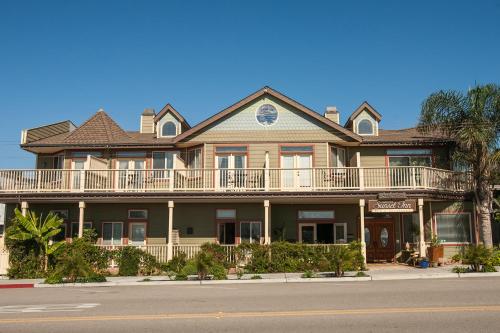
(99, 129)
(405, 136)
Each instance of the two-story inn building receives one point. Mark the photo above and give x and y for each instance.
(266, 168)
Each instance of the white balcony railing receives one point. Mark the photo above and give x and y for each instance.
(233, 180)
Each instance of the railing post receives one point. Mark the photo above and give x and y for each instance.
(38, 180)
(82, 180)
(170, 246)
(171, 178)
(361, 179)
(424, 178)
(413, 177)
(266, 173)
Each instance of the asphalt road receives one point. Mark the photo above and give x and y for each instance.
(455, 305)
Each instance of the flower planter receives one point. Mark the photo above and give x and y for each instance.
(436, 253)
(424, 264)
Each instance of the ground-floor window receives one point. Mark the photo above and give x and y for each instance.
(75, 227)
(226, 232)
(137, 233)
(112, 233)
(411, 226)
(323, 233)
(453, 228)
(250, 232)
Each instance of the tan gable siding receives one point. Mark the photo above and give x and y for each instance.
(372, 157)
(292, 126)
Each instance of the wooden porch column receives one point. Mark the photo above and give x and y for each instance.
(81, 218)
(421, 241)
(24, 208)
(362, 228)
(267, 239)
(170, 246)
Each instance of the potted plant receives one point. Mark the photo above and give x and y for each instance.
(423, 262)
(436, 249)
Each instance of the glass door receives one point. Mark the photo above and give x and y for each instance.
(130, 174)
(296, 171)
(78, 165)
(250, 232)
(137, 233)
(231, 171)
(112, 233)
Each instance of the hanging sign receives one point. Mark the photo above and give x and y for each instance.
(400, 206)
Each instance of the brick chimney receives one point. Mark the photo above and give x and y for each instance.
(147, 121)
(332, 114)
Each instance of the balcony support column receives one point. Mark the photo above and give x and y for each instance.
(421, 242)
(266, 173)
(24, 208)
(362, 228)
(81, 218)
(267, 239)
(170, 246)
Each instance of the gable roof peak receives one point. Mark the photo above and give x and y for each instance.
(364, 106)
(279, 96)
(169, 108)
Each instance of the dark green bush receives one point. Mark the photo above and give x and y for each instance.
(133, 261)
(479, 258)
(24, 260)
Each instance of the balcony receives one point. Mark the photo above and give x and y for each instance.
(232, 180)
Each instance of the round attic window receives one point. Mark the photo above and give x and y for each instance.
(266, 115)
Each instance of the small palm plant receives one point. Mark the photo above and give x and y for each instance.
(32, 227)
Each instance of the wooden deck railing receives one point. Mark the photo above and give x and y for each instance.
(232, 180)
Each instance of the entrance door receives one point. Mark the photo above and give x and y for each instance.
(231, 170)
(296, 173)
(78, 166)
(379, 238)
(130, 174)
(227, 233)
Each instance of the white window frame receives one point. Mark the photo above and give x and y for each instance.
(144, 242)
(112, 232)
(315, 232)
(251, 224)
(457, 213)
(145, 211)
(344, 236)
(371, 122)
(164, 124)
(339, 163)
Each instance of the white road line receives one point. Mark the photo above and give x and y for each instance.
(38, 308)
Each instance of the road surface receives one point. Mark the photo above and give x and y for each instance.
(440, 305)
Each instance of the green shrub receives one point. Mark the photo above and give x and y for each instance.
(308, 275)
(456, 258)
(217, 252)
(71, 265)
(91, 278)
(341, 258)
(218, 272)
(479, 258)
(133, 261)
(361, 274)
(175, 265)
(495, 258)
(460, 269)
(54, 279)
(256, 277)
(128, 259)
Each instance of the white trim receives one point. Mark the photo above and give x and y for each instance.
(344, 238)
(315, 232)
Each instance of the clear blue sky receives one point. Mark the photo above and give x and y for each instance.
(65, 59)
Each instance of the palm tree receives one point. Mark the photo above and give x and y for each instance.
(472, 120)
(31, 227)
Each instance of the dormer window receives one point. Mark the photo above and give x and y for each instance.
(169, 129)
(365, 127)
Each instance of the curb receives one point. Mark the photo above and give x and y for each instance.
(16, 285)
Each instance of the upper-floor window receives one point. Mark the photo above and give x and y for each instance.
(163, 159)
(169, 129)
(194, 158)
(337, 157)
(365, 127)
(266, 115)
(409, 157)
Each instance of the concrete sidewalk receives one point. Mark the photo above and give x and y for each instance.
(382, 272)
